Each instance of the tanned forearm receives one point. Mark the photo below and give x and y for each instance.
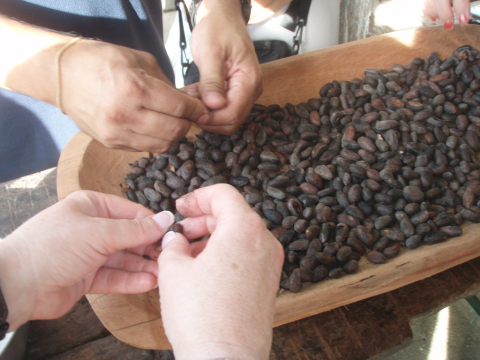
(27, 64)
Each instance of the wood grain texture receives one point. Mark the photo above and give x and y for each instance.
(342, 331)
(107, 348)
(298, 78)
(329, 335)
(77, 327)
(86, 164)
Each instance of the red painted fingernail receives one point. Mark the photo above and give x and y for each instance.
(433, 18)
(448, 25)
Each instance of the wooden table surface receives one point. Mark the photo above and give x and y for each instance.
(374, 327)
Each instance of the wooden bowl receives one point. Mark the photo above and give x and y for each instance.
(86, 164)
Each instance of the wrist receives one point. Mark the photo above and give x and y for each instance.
(217, 351)
(223, 342)
(233, 9)
(17, 289)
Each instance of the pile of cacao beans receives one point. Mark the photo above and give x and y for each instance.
(370, 166)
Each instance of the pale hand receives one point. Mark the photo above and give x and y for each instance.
(217, 296)
(87, 243)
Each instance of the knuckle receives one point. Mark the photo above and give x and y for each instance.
(149, 58)
(80, 198)
(161, 148)
(231, 122)
(112, 116)
(234, 119)
(213, 84)
(180, 109)
(256, 223)
(175, 133)
(79, 195)
(229, 190)
(113, 126)
(110, 138)
(116, 55)
(196, 111)
(133, 85)
(139, 227)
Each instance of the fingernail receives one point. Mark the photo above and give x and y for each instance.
(214, 100)
(169, 236)
(214, 96)
(448, 25)
(463, 19)
(433, 18)
(164, 219)
(203, 119)
(192, 90)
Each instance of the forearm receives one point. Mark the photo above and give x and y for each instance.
(14, 278)
(27, 64)
(228, 7)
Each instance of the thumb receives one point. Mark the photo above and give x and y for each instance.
(124, 234)
(212, 83)
(175, 249)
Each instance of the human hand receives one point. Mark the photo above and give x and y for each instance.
(120, 97)
(442, 10)
(217, 296)
(87, 243)
(230, 76)
(115, 94)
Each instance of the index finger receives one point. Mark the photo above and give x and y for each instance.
(236, 223)
(445, 13)
(243, 90)
(163, 98)
(218, 200)
(107, 206)
(462, 10)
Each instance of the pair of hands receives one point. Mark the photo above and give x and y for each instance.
(217, 295)
(442, 10)
(131, 104)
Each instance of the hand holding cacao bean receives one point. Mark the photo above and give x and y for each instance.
(87, 243)
(219, 303)
(230, 77)
(132, 106)
(442, 10)
(371, 166)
